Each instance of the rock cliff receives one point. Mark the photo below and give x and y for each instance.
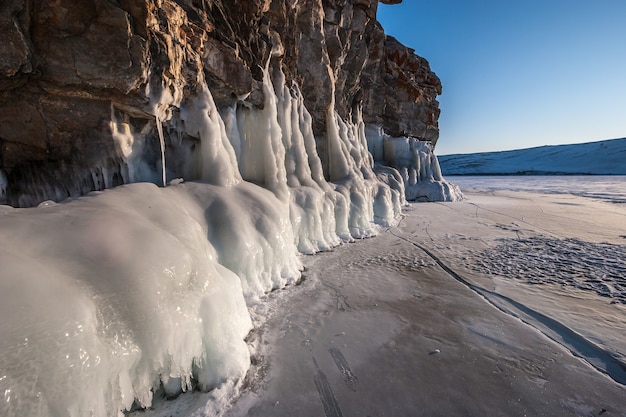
(84, 83)
(281, 128)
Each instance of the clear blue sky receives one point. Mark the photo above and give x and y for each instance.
(520, 73)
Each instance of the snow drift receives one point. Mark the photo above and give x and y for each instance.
(121, 294)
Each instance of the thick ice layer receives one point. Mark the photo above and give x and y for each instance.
(104, 297)
(250, 230)
(417, 164)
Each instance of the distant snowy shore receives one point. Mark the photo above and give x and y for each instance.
(605, 157)
(608, 188)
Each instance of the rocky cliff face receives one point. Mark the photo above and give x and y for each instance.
(304, 125)
(86, 86)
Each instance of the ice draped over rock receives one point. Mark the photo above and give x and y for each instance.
(82, 84)
(272, 147)
(416, 163)
(158, 278)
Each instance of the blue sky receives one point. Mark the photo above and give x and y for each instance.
(518, 74)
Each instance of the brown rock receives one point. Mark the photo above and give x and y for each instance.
(89, 44)
(15, 49)
(406, 89)
(66, 67)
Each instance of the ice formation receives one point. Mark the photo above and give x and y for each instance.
(114, 296)
(110, 294)
(417, 163)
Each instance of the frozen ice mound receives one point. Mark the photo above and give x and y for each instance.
(109, 295)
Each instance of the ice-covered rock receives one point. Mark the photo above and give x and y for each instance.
(136, 289)
(76, 82)
(139, 289)
(416, 163)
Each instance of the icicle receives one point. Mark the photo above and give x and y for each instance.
(338, 165)
(262, 156)
(162, 142)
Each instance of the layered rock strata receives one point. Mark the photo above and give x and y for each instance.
(78, 79)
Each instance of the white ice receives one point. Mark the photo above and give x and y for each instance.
(142, 291)
(417, 164)
(124, 293)
(105, 296)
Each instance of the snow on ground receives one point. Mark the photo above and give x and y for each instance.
(598, 158)
(598, 267)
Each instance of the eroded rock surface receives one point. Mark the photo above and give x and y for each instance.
(77, 77)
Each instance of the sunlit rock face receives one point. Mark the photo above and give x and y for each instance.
(82, 84)
(411, 88)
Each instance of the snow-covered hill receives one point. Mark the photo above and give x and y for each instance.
(607, 157)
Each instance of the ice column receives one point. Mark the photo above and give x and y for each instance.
(216, 161)
(351, 169)
(262, 154)
(276, 149)
(314, 201)
(130, 147)
(248, 224)
(159, 126)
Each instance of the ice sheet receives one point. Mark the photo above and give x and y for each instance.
(381, 327)
(609, 188)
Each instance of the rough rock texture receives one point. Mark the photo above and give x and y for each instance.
(410, 108)
(73, 74)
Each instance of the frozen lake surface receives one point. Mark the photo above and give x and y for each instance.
(509, 303)
(504, 304)
(603, 187)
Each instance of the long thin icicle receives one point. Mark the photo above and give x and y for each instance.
(162, 141)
